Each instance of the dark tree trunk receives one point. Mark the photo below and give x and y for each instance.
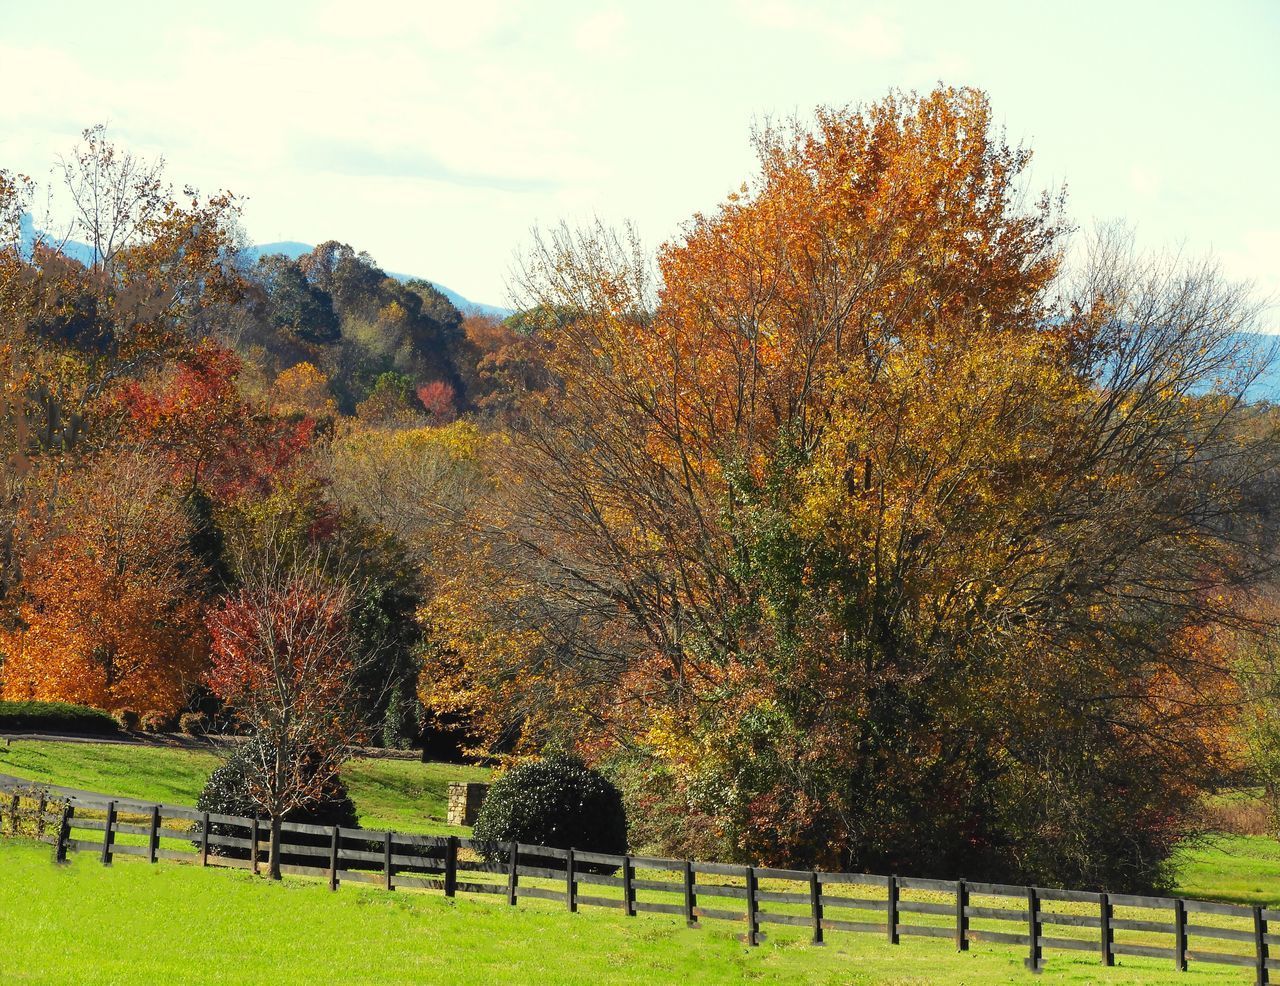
(274, 866)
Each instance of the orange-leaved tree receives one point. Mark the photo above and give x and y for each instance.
(859, 533)
(109, 612)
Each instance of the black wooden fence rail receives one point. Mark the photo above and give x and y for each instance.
(1177, 930)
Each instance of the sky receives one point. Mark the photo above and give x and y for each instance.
(435, 135)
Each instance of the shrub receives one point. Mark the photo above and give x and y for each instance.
(60, 717)
(129, 719)
(154, 722)
(192, 723)
(227, 793)
(664, 818)
(555, 801)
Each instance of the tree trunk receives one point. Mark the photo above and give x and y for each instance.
(274, 865)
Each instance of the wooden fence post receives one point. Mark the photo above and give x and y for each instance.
(106, 833)
(64, 835)
(253, 846)
(962, 916)
(40, 810)
(451, 866)
(891, 911)
(570, 882)
(1261, 951)
(628, 890)
(690, 896)
(204, 840)
(513, 872)
(753, 909)
(387, 861)
(153, 837)
(333, 858)
(815, 906)
(1180, 935)
(1033, 959)
(13, 812)
(1108, 933)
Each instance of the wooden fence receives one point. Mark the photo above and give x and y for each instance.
(1038, 919)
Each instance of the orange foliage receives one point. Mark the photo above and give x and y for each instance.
(109, 614)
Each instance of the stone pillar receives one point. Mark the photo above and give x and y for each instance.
(465, 799)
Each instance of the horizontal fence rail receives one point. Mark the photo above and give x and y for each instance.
(1037, 919)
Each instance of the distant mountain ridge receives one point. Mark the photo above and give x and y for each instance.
(294, 249)
(291, 249)
(1265, 388)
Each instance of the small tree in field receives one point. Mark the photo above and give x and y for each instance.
(285, 660)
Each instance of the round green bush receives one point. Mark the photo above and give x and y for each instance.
(227, 793)
(192, 723)
(556, 801)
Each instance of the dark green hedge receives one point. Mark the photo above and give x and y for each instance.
(55, 717)
(556, 801)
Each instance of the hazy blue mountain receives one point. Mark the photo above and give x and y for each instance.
(27, 234)
(1267, 386)
(293, 250)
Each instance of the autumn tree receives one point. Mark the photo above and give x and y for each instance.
(109, 610)
(294, 304)
(194, 417)
(439, 400)
(410, 482)
(874, 540)
(303, 390)
(285, 661)
(73, 331)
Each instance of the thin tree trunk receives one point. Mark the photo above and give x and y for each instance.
(274, 865)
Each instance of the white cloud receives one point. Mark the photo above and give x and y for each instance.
(869, 35)
(601, 33)
(1144, 181)
(442, 24)
(1256, 258)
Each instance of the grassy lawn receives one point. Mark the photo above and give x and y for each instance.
(1243, 869)
(400, 794)
(410, 797)
(171, 923)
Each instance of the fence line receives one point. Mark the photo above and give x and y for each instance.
(753, 896)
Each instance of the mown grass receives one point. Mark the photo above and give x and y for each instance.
(399, 794)
(134, 922)
(410, 797)
(1239, 869)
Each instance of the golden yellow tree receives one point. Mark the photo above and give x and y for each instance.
(860, 530)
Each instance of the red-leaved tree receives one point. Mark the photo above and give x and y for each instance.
(440, 401)
(286, 662)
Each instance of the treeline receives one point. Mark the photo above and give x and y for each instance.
(174, 411)
(852, 529)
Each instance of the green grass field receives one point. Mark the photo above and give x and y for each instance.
(134, 922)
(1238, 869)
(399, 794)
(62, 919)
(410, 797)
